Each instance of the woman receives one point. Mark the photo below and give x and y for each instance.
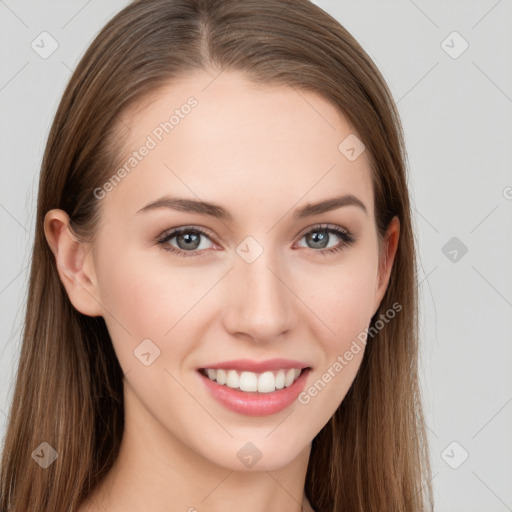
(222, 307)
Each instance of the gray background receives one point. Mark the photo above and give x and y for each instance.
(457, 115)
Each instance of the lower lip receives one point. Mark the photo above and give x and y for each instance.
(256, 404)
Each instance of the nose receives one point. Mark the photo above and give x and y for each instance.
(259, 303)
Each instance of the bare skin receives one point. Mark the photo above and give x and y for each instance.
(260, 153)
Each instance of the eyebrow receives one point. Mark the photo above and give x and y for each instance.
(214, 210)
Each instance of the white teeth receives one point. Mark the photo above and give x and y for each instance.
(290, 377)
(279, 380)
(220, 375)
(265, 382)
(248, 381)
(233, 380)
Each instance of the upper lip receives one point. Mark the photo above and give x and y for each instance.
(249, 365)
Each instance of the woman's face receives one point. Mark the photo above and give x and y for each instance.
(266, 280)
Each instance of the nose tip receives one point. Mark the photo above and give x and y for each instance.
(260, 303)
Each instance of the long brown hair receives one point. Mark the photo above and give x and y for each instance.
(372, 455)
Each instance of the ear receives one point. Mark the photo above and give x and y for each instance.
(74, 263)
(386, 259)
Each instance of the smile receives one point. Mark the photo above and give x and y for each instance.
(265, 382)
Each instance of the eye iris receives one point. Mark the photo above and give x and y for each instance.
(189, 237)
(318, 237)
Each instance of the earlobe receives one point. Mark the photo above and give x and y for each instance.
(386, 259)
(73, 259)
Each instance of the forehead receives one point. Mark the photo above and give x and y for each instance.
(225, 138)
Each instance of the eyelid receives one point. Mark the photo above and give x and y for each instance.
(320, 226)
(189, 227)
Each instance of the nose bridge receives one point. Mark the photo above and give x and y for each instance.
(260, 304)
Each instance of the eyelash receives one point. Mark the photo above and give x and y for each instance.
(346, 237)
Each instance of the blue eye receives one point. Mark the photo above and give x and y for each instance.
(190, 244)
(326, 232)
(190, 238)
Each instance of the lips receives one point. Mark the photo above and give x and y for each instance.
(255, 404)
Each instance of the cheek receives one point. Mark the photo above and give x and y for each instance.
(140, 301)
(147, 297)
(342, 296)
